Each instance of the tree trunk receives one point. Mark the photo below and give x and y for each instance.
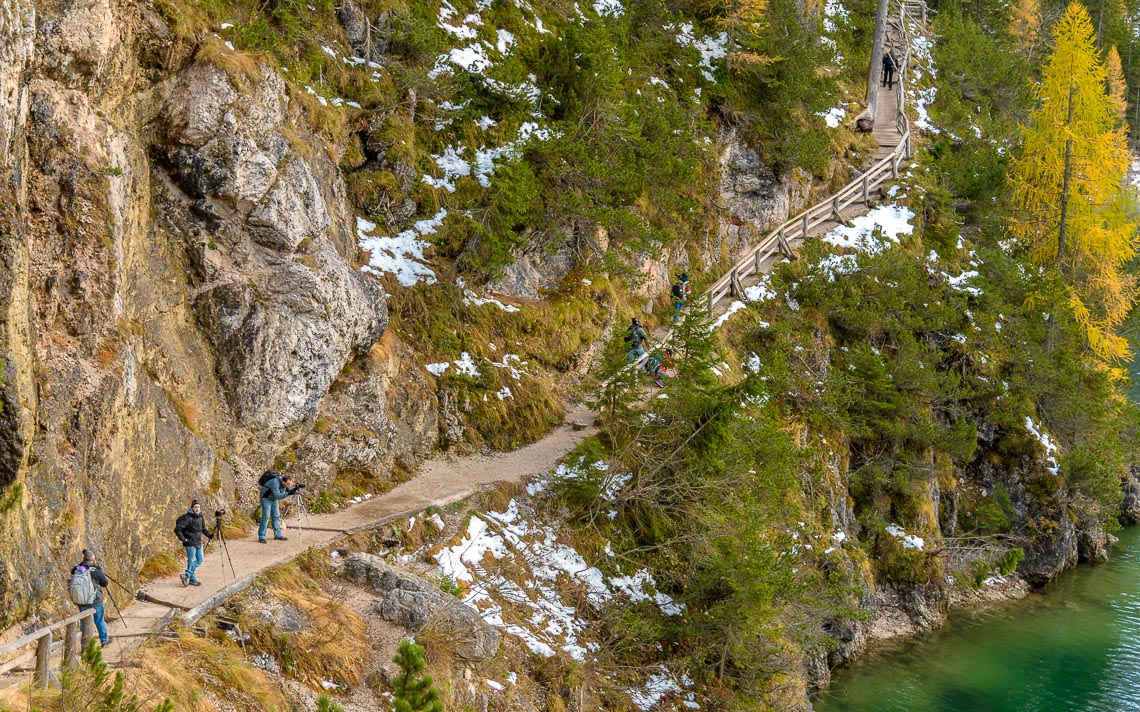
(1062, 228)
(876, 57)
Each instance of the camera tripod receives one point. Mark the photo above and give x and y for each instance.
(299, 503)
(219, 532)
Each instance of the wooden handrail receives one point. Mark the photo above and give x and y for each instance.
(77, 630)
(823, 211)
(41, 632)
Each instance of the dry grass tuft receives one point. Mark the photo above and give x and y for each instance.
(159, 566)
(333, 648)
(192, 671)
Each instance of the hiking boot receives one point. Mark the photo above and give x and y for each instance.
(195, 582)
(281, 538)
(261, 540)
(184, 579)
(105, 643)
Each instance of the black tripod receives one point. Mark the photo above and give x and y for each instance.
(219, 532)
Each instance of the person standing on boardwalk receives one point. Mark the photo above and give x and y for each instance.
(189, 529)
(890, 66)
(85, 588)
(636, 339)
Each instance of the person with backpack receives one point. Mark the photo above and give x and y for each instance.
(274, 488)
(189, 529)
(85, 587)
(890, 66)
(678, 293)
(636, 339)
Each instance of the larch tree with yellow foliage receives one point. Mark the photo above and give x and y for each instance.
(1117, 86)
(1071, 202)
(1025, 25)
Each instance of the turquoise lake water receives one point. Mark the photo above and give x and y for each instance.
(1074, 646)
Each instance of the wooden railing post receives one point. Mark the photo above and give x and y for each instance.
(867, 187)
(759, 260)
(806, 215)
(835, 211)
(43, 660)
(784, 246)
(71, 645)
(87, 631)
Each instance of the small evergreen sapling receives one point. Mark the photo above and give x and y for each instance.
(412, 692)
(324, 704)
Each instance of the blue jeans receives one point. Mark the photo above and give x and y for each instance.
(269, 506)
(100, 624)
(636, 352)
(193, 560)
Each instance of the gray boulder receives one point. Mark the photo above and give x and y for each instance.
(419, 605)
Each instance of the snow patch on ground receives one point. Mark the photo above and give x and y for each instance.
(401, 255)
(888, 220)
(1051, 449)
(711, 48)
(833, 117)
(611, 8)
(909, 541)
(536, 601)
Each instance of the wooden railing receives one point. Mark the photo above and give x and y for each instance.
(78, 629)
(778, 241)
(829, 209)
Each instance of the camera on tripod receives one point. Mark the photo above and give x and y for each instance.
(219, 513)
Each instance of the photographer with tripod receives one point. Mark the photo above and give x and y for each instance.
(189, 529)
(86, 587)
(274, 488)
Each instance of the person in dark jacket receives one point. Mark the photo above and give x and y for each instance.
(890, 66)
(637, 339)
(100, 580)
(272, 492)
(189, 529)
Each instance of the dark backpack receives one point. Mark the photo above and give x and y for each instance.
(678, 291)
(264, 480)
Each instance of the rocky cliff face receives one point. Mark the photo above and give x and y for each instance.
(180, 297)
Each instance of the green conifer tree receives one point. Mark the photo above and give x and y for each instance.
(412, 692)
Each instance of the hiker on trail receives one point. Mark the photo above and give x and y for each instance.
(890, 66)
(189, 529)
(681, 290)
(636, 338)
(657, 364)
(85, 588)
(274, 488)
(678, 293)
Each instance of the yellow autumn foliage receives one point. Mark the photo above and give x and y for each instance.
(1072, 205)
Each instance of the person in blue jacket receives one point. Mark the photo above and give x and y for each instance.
(273, 491)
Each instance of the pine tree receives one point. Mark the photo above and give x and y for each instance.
(414, 693)
(1068, 187)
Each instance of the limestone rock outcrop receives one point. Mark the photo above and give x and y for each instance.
(417, 604)
(180, 294)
